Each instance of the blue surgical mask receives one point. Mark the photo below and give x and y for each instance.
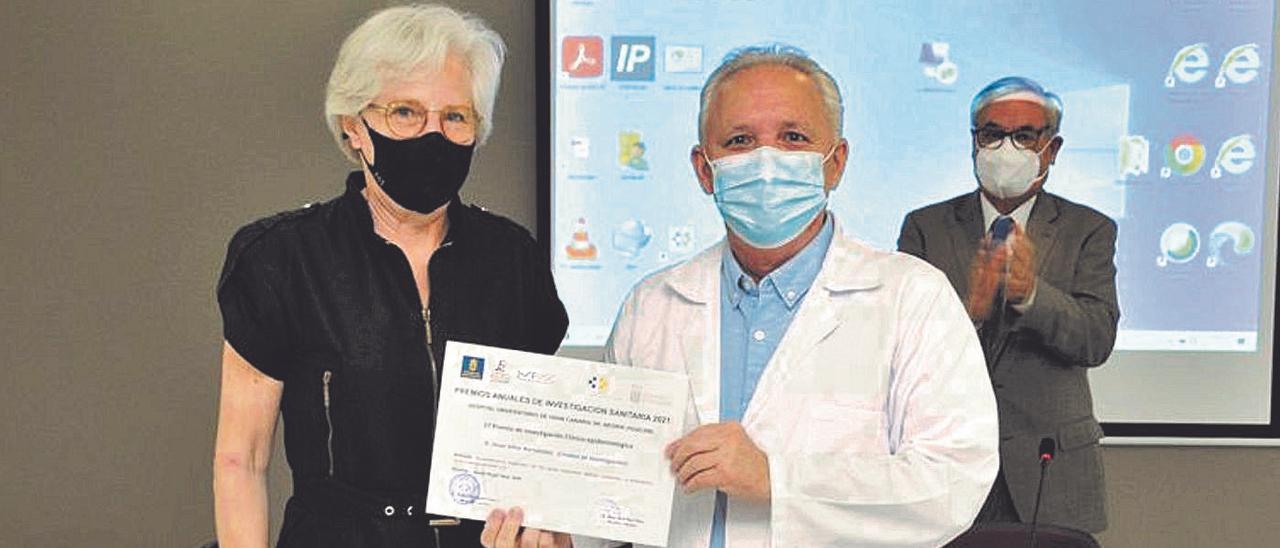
(767, 196)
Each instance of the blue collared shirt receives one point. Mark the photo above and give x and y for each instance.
(753, 318)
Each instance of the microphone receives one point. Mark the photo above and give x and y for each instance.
(1047, 449)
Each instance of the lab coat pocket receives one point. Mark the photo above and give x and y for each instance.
(838, 425)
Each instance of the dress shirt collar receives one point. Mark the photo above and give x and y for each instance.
(790, 281)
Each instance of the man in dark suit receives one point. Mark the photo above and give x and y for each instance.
(1037, 275)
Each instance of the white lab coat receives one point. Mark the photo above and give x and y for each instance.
(876, 411)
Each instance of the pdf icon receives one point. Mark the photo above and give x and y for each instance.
(582, 56)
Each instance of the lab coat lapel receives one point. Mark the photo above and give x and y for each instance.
(698, 346)
(815, 320)
(843, 270)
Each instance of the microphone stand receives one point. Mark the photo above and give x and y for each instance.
(1035, 515)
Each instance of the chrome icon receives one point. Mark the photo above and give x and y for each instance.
(1184, 155)
(1178, 244)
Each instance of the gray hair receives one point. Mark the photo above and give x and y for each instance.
(396, 41)
(1018, 86)
(785, 55)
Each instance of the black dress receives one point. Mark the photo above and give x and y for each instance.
(314, 298)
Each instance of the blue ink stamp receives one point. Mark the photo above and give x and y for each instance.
(464, 488)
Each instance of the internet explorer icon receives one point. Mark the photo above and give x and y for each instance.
(1239, 66)
(1235, 157)
(1190, 65)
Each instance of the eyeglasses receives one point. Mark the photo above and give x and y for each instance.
(408, 119)
(993, 137)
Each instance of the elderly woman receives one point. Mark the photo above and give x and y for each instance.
(336, 315)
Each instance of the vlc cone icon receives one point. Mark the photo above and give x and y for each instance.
(581, 248)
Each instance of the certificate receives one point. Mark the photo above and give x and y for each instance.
(576, 444)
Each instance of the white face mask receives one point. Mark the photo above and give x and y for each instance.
(1007, 172)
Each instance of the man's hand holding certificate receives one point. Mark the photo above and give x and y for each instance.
(577, 444)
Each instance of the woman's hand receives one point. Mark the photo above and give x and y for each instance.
(502, 530)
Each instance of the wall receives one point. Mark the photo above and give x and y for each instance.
(137, 135)
(1185, 496)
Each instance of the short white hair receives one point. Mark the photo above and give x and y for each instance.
(1017, 87)
(395, 42)
(779, 55)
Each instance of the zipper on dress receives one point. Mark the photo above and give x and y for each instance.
(431, 357)
(328, 419)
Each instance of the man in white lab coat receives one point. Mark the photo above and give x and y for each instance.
(839, 393)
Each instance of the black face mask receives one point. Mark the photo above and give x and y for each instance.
(420, 174)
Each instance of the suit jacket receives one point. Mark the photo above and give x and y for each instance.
(1039, 359)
